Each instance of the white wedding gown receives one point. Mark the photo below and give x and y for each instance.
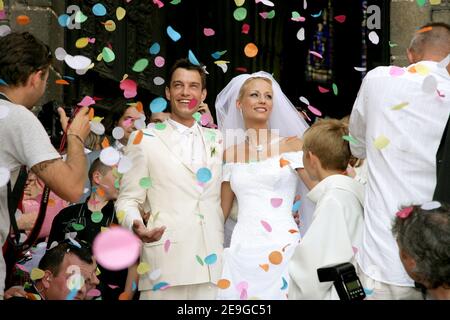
(255, 266)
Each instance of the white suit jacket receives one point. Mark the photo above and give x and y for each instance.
(191, 213)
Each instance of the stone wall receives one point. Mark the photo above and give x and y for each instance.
(406, 17)
(44, 25)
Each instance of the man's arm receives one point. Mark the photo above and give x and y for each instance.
(67, 178)
(357, 123)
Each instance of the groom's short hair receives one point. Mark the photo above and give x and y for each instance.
(325, 140)
(186, 64)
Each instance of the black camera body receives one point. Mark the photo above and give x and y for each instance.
(345, 279)
(49, 117)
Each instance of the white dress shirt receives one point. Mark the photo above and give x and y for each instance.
(192, 148)
(403, 172)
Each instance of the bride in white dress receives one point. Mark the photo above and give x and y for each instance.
(260, 171)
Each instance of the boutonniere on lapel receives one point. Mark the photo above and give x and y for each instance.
(213, 151)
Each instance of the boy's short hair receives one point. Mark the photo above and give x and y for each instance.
(324, 139)
(99, 166)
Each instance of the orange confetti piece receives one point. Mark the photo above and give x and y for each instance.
(251, 50)
(91, 113)
(223, 283)
(138, 137)
(293, 231)
(412, 69)
(62, 82)
(283, 162)
(51, 202)
(105, 143)
(125, 296)
(139, 107)
(426, 29)
(100, 192)
(265, 267)
(275, 257)
(23, 20)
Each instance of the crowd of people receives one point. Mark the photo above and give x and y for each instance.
(250, 210)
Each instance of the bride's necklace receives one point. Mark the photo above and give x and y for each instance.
(258, 147)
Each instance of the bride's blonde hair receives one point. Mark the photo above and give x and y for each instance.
(247, 82)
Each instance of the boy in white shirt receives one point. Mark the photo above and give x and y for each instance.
(336, 229)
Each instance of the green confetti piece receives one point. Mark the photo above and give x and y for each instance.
(197, 116)
(350, 139)
(80, 17)
(160, 126)
(140, 65)
(117, 183)
(421, 3)
(210, 135)
(199, 260)
(392, 44)
(335, 89)
(96, 216)
(175, 2)
(240, 14)
(271, 14)
(108, 55)
(145, 182)
(295, 15)
(77, 226)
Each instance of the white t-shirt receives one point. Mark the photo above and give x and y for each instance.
(23, 141)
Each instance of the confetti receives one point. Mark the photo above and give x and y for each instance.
(145, 182)
(159, 3)
(322, 89)
(140, 65)
(405, 212)
(223, 284)
(243, 285)
(245, 28)
(266, 2)
(199, 260)
(316, 54)
(155, 48)
(158, 105)
(315, 111)
(431, 205)
(381, 142)
(222, 65)
(266, 226)
(422, 69)
(421, 3)
(96, 216)
(203, 175)
(316, 15)
(211, 259)
(160, 61)
(396, 71)
(283, 162)
(275, 257)
(208, 32)
(218, 54)
(301, 34)
(335, 89)
(110, 25)
(350, 139)
(23, 20)
(120, 13)
(400, 106)
(82, 42)
(285, 284)
(264, 266)
(373, 37)
(129, 88)
(175, 36)
(251, 50)
(296, 205)
(267, 15)
(160, 126)
(276, 202)
(340, 18)
(360, 69)
(296, 17)
(99, 10)
(64, 20)
(118, 133)
(109, 156)
(175, 2)
(158, 81)
(160, 286)
(143, 268)
(77, 62)
(116, 248)
(61, 82)
(94, 293)
(192, 58)
(77, 226)
(36, 274)
(240, 14)
(244, 295)
(125, 296)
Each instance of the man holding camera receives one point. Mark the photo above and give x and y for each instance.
(24, 70)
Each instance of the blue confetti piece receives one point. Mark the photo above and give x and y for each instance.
(204, 175)
(133, 286)
(296, 205)
(368, 292)
(285, 284)
(71, 294)
(63, 20)
(69, 78)
(3, 83)
(99, 10)
(155, 48)
(158, 105)
(175, 36)
(159, 285)
(216, 55)
(193, 58)
(211, 259)
(317, 14)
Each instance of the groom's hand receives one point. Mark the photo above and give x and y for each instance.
(147, 235)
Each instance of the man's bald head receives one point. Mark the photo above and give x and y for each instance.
(430, 42)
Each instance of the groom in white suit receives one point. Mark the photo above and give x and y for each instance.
(177, 172)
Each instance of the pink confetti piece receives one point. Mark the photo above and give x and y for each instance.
(129, 88)
(340, 18)
(244, 295)
(316, 54)
(355, 249)
(245, 28)
(208, 32)
(127, 123)
(440, 94)
(192, 104)
(160, 61)
(322, 89)
(113, 286)
(315, 111)
(86, 102)
(243, 285)
(159, 3)
(396, 71)
(166, 245)
(205, 119)
(94, 293)
(21, 267)
(405, 212)
(91, 40)
(299, 19)
(266, 226)
(276, 202)
(264, 14)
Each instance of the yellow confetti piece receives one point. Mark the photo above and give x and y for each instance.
(435, 2)
(120, 215)
(381, 142)
(110, 26)
(400, 106)
(100, 57)
(82, 43)
(2, 6)
(143, 268)
(37, 274)
(223, 283)
(97, 119)
(120, 13)
(125, 76)
(103, 229)
(97, 272)
(422, 69)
